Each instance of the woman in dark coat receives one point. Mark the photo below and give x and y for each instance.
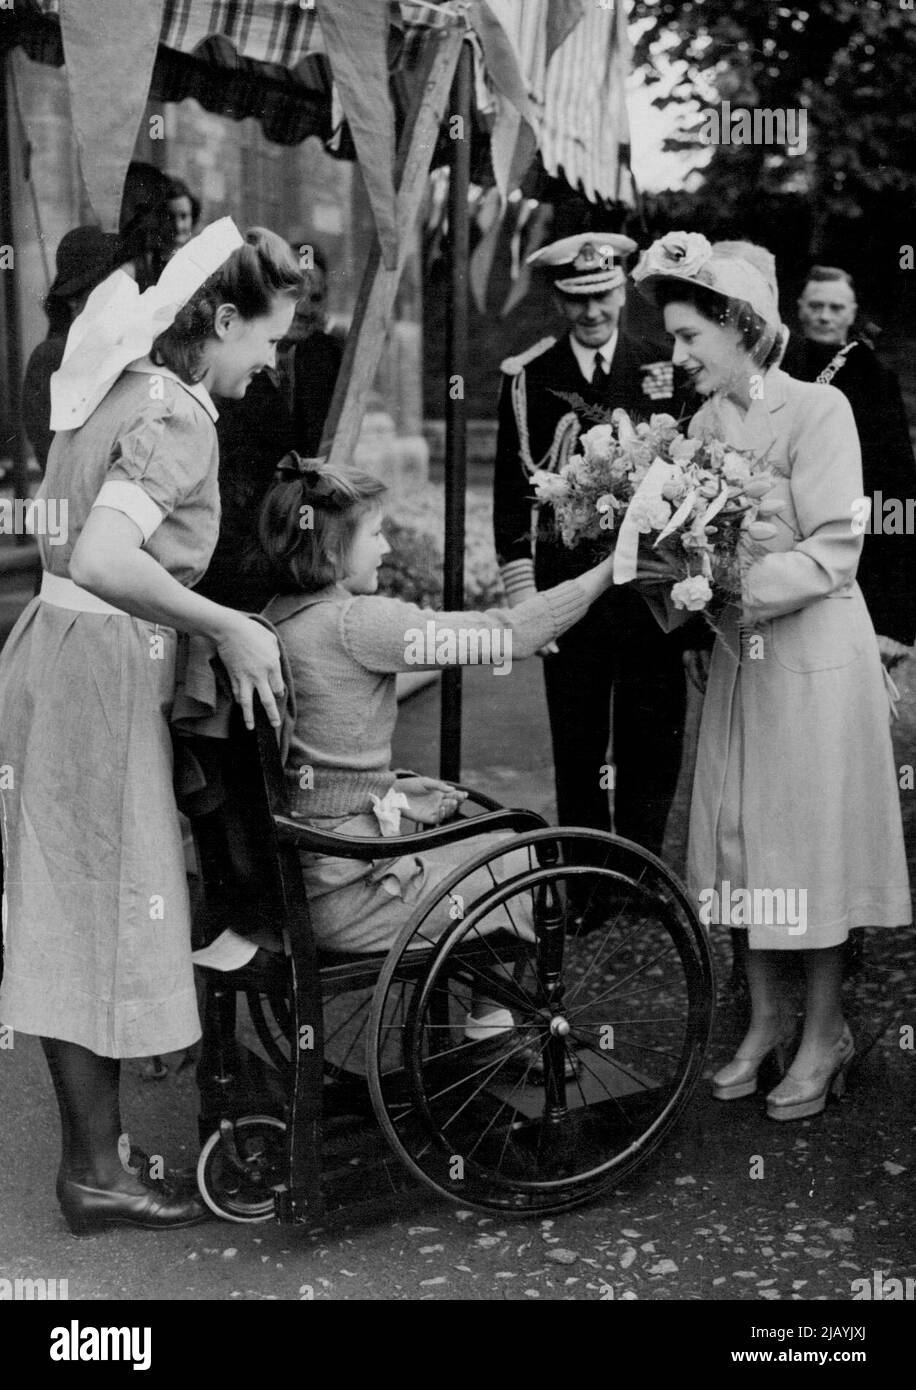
(85, 256)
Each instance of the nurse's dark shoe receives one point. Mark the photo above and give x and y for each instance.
(152, 1206)
(177, 1181)
(183, 1180)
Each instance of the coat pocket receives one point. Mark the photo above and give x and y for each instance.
(824, 636)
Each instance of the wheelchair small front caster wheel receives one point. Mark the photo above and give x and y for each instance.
(240, 1165)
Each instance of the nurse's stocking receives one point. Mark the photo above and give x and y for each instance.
(87, 1095)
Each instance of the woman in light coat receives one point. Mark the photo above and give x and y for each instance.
(795, 827)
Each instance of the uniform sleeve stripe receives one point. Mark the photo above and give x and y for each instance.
(517, 575)
(130, 499)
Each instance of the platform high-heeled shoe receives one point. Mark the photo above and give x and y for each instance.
(738, 1078)
(795, 1099)
(158, 1208)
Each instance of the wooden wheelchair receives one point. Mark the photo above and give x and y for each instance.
(589, 942)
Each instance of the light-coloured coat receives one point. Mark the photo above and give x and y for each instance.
(795, 785)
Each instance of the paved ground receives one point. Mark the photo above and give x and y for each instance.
(835, 1201)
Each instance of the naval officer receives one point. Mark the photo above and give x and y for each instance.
(618, 648)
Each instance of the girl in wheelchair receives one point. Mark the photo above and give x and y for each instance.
(321, 535)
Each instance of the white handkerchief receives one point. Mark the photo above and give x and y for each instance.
(387, 810)
(228, 952)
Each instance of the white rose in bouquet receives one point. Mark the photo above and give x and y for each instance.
(649, 513)
(549, 487)
(682, 450)
(693, 594)
(675, 487)
(576, 471)
(598, 444)
(736, 469)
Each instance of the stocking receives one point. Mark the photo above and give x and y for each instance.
(86, 1087)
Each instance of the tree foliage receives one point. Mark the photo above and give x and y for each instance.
(851, 65)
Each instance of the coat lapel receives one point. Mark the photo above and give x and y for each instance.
(757, 430)
(762, 423)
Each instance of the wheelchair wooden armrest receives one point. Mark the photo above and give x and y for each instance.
(290, 831)
(473, 795)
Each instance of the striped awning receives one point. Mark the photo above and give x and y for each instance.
(267, 31)
(280, 32)
(112, 48)
(268, 59)
(267, 71)
(576, 88)
(585, 130)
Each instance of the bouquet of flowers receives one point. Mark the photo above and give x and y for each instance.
(698, 504)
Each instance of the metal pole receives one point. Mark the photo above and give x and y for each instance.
(15, 433)
(456, 406)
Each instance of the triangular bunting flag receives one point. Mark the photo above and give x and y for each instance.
(109, 52)
(356, 40)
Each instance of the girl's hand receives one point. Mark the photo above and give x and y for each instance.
(892, 652)
(251, 656)
(601, 575)
(430, 802)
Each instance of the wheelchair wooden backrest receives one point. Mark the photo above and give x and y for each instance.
(246, 883)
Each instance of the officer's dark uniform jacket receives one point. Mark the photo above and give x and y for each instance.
(887, 569)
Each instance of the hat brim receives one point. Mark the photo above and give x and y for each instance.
(649, 286)
(709, 277)
(69, 285)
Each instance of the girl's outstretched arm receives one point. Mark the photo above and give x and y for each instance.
(388, 636)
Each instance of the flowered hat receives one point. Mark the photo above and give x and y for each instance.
(689, 257)
(758, 256)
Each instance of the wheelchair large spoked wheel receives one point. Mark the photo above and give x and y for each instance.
(592, 946)
(345, 1031)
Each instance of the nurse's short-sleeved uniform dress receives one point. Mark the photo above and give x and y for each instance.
(96, 912)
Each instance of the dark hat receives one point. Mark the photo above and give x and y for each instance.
(84, 257)
(590, 263)
(145, 196)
